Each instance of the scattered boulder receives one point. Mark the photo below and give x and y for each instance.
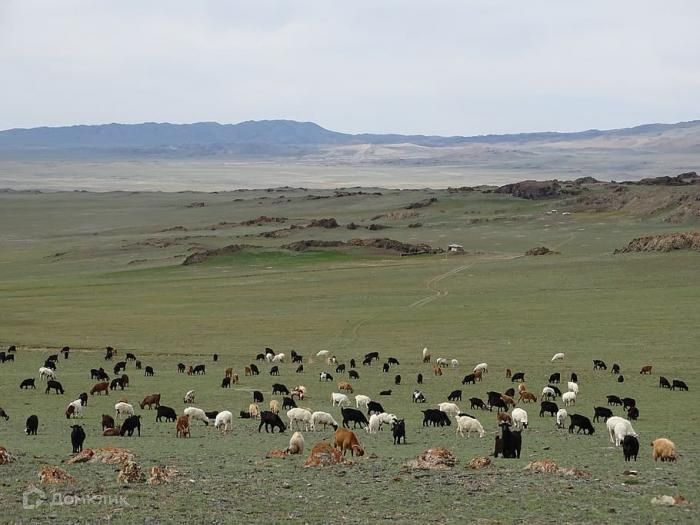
(433, 458)
(200, 257)
(276, 453)
(421, 204)
(683, 179)
(323, 455)
(196, 205)
(49, 475)
(300, 246)
(108, 455)
(532, 189)
(323, 223)
(586, 180)
(664, 243)
(540, 250)
(263, 219)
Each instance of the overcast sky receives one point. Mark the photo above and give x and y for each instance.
(408, 66)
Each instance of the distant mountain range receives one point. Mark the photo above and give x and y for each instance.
(287, 138)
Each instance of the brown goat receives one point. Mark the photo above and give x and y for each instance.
(345, 440)
(183, 426)
(153, 399)
(100, 387)
(527, 397)
(646, 369)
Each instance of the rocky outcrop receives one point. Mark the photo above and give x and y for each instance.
(532, 189)
(664, 243)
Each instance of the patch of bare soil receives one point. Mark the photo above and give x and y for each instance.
(323, 223)
(479, 462)
(664, 243)
(5, 456)
(264, 219)
(108, 455)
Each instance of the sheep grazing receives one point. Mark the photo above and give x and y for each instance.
(614, 400)
(548, 393)
(633, 414)
(198, 414)
(165, 412)
(483, 367)
(555, 377)
(374, 408)
(339, 399)
(518, 376)
(296, 444)
(527, 397)
(271, 420)
(347, 440)
(469, 424)
(615, 369)
(29, 383)
(599, 365)
(630, 448)
(663, 449)
(32, 425)
(361, 401)
(664, 383)
(547, 407)
(374, 424)
(680, 385)
(385, 392)
(189, 397)
(573, 387)
(455, 395)
(602, 412)
(582, 423)
(123, 409)
(418, 396)
(353, 374)
(561, 417)
(449, 408)
(287, 403)
(618, 428)
(519, 418)
(107, 422)
(253, 410)
(435, 418)
(569, 398)
(130, 424)
(475, 402)
(224, 421)
(351, 414)
(77, 438)
(511, 442)
(398, 430)
(46, 373)
(258, 396)
(275, 406)
(149, 401)
(299, 416)
(74, 409)
(344, 386)
(646, 369)
(322, 418)
(182, 426)
(620, 378)
(557, 357)
(280, 389)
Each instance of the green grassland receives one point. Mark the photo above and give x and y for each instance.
(95, 269)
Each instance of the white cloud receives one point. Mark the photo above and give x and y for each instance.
(445, 67)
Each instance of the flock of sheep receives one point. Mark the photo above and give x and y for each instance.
(512, 419)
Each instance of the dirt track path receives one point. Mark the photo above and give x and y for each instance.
(431, 285)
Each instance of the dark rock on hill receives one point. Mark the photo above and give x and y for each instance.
(664, 243)
(200, 257)
(532, 189)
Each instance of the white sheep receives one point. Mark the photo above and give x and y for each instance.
(268, 357)
(77, 408)
(296, 443)
(386, 419)
(279, 358)
(519, 418)
(484, 367)
(374, 424)
(253, 410)
(299, 416)
(558, 357)
(322, 353)
(569, 398)
(322, 418)
(122, 408)
(451, 409)
(618, 428)
(573, 387)
(224, 419)
(469, 424)
(362, 401)
(441, 361)
(46, 373)
(189, 396)
(455, 363)
(548, 393)
(331, 360)
(274, 406)
(425, 352)
(196, 413)
(561, 417)
(339, 399)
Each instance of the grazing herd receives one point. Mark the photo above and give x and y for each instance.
(368, 414)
